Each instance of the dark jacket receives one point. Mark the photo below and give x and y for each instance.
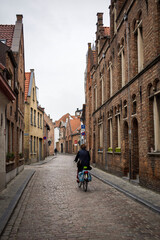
(84, 158)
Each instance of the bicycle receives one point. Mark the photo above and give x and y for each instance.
(84, 177)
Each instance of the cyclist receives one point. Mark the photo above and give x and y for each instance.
(83, 159)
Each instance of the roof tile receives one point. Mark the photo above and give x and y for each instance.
(6, 33)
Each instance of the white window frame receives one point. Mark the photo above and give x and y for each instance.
(156, 114)
(110, 79)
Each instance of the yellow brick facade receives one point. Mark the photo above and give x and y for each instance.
(34, 118)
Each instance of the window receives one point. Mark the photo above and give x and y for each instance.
(110, 144)
(38, 120)
(34, 144)
(100, 128)
(31, 116)
(110, 78)
(138, 31)
(95, 97)
(110, 133)
(156, 117)
(122, 63)
(102, 90)
(34, 117)
(140, 49)
(118, 131)
(31, 139)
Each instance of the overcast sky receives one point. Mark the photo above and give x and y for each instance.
(56, 37)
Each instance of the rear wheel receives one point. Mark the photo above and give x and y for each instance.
(85, 185)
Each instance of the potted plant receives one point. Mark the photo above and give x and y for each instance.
(118, 150)
(110, 149)
(10, 157)
(20, 155)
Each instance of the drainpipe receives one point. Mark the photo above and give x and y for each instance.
(129, 100)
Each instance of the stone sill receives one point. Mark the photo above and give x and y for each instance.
(10, 163)
(21, 159)
(100, 152)
(118, 153)
(154, 154)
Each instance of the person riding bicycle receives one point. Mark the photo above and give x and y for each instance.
(83, 159)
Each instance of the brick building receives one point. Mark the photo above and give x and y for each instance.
(12, 58)
(49, 136)
(69, 133)
(34, 122)
(122, 89)
(6, 95)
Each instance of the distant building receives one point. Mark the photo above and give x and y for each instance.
(49, 138)
(34, 122)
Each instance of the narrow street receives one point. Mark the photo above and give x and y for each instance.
(53, 207)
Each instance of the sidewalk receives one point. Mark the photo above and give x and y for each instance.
(10, 196)
(144, 196)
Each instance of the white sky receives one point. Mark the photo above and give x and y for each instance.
(56, 37)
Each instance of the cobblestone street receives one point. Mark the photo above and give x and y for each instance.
(53, 207)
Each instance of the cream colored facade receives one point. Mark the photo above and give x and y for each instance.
(34, 118)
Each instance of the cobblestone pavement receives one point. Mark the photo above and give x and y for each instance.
(53, 207)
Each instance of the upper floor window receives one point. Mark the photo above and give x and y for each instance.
(31, 116)
(110, 79)
(38, 120)
(138, 31)
(95, 97)
(122, 63)
(34, 117)
(102, 89)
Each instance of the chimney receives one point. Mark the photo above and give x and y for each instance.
(99, 25)
(32, 70)
(19, 17)
(89, 46)
(99, 19)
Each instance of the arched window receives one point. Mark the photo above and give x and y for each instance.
(138, 32)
